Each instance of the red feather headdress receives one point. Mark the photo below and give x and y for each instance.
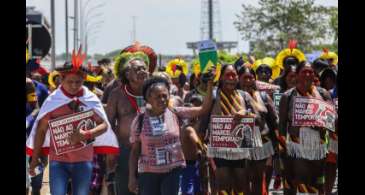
(76, 63)
(135, 47)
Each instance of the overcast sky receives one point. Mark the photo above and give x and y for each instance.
(165, 25)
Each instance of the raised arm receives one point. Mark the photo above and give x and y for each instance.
(205, 107)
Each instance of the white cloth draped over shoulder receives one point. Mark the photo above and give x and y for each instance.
(105, 143)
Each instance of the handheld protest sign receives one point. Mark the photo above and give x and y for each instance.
(267, 87)
(276, 98)
(224, 133)
(311, 112)
(208, 56)
(62, 128)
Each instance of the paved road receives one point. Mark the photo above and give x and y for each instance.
(45, 187)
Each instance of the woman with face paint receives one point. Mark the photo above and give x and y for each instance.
(231, 173)
(304, 148)
(260, 165)
(155, 138)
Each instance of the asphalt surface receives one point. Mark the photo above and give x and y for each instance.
(45, 187)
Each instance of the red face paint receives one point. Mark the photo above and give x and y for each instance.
(306, 75)
(230, 76)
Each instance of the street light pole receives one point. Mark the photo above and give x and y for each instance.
(84, 19)
(81, 23)
(66, 23)
(53, 64)
(75, 24)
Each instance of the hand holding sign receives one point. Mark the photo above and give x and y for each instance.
(77, 136)
(81, 132)
(208, 56)
(69, 133)
(310, 112)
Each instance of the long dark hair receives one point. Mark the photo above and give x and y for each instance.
(224, 67)
(245, 69)
(302, 64)
(192, 80)
(282, 81)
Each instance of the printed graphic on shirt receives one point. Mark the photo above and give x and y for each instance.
(158, 126)
(166, 154)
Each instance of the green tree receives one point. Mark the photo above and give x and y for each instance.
(273, 23)
(333, 23)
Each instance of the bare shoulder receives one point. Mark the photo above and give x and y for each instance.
(116, 93)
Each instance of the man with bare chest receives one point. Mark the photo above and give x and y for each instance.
(123, 105)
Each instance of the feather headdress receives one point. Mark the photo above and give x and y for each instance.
(138, 47)
(291, 51)
(326, 54)
(75, 66)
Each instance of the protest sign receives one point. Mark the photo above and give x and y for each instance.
(311, 112)
(276, 98)
(226, 134)
(62, 128)
(267, 87)
(208, 56)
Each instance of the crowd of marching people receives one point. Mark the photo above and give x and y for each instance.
(151, 130)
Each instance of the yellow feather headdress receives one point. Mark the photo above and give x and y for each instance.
(175, 67)
(51, 79)
(290, 51)
(271, 63)
(197, 71)
(326, 55)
